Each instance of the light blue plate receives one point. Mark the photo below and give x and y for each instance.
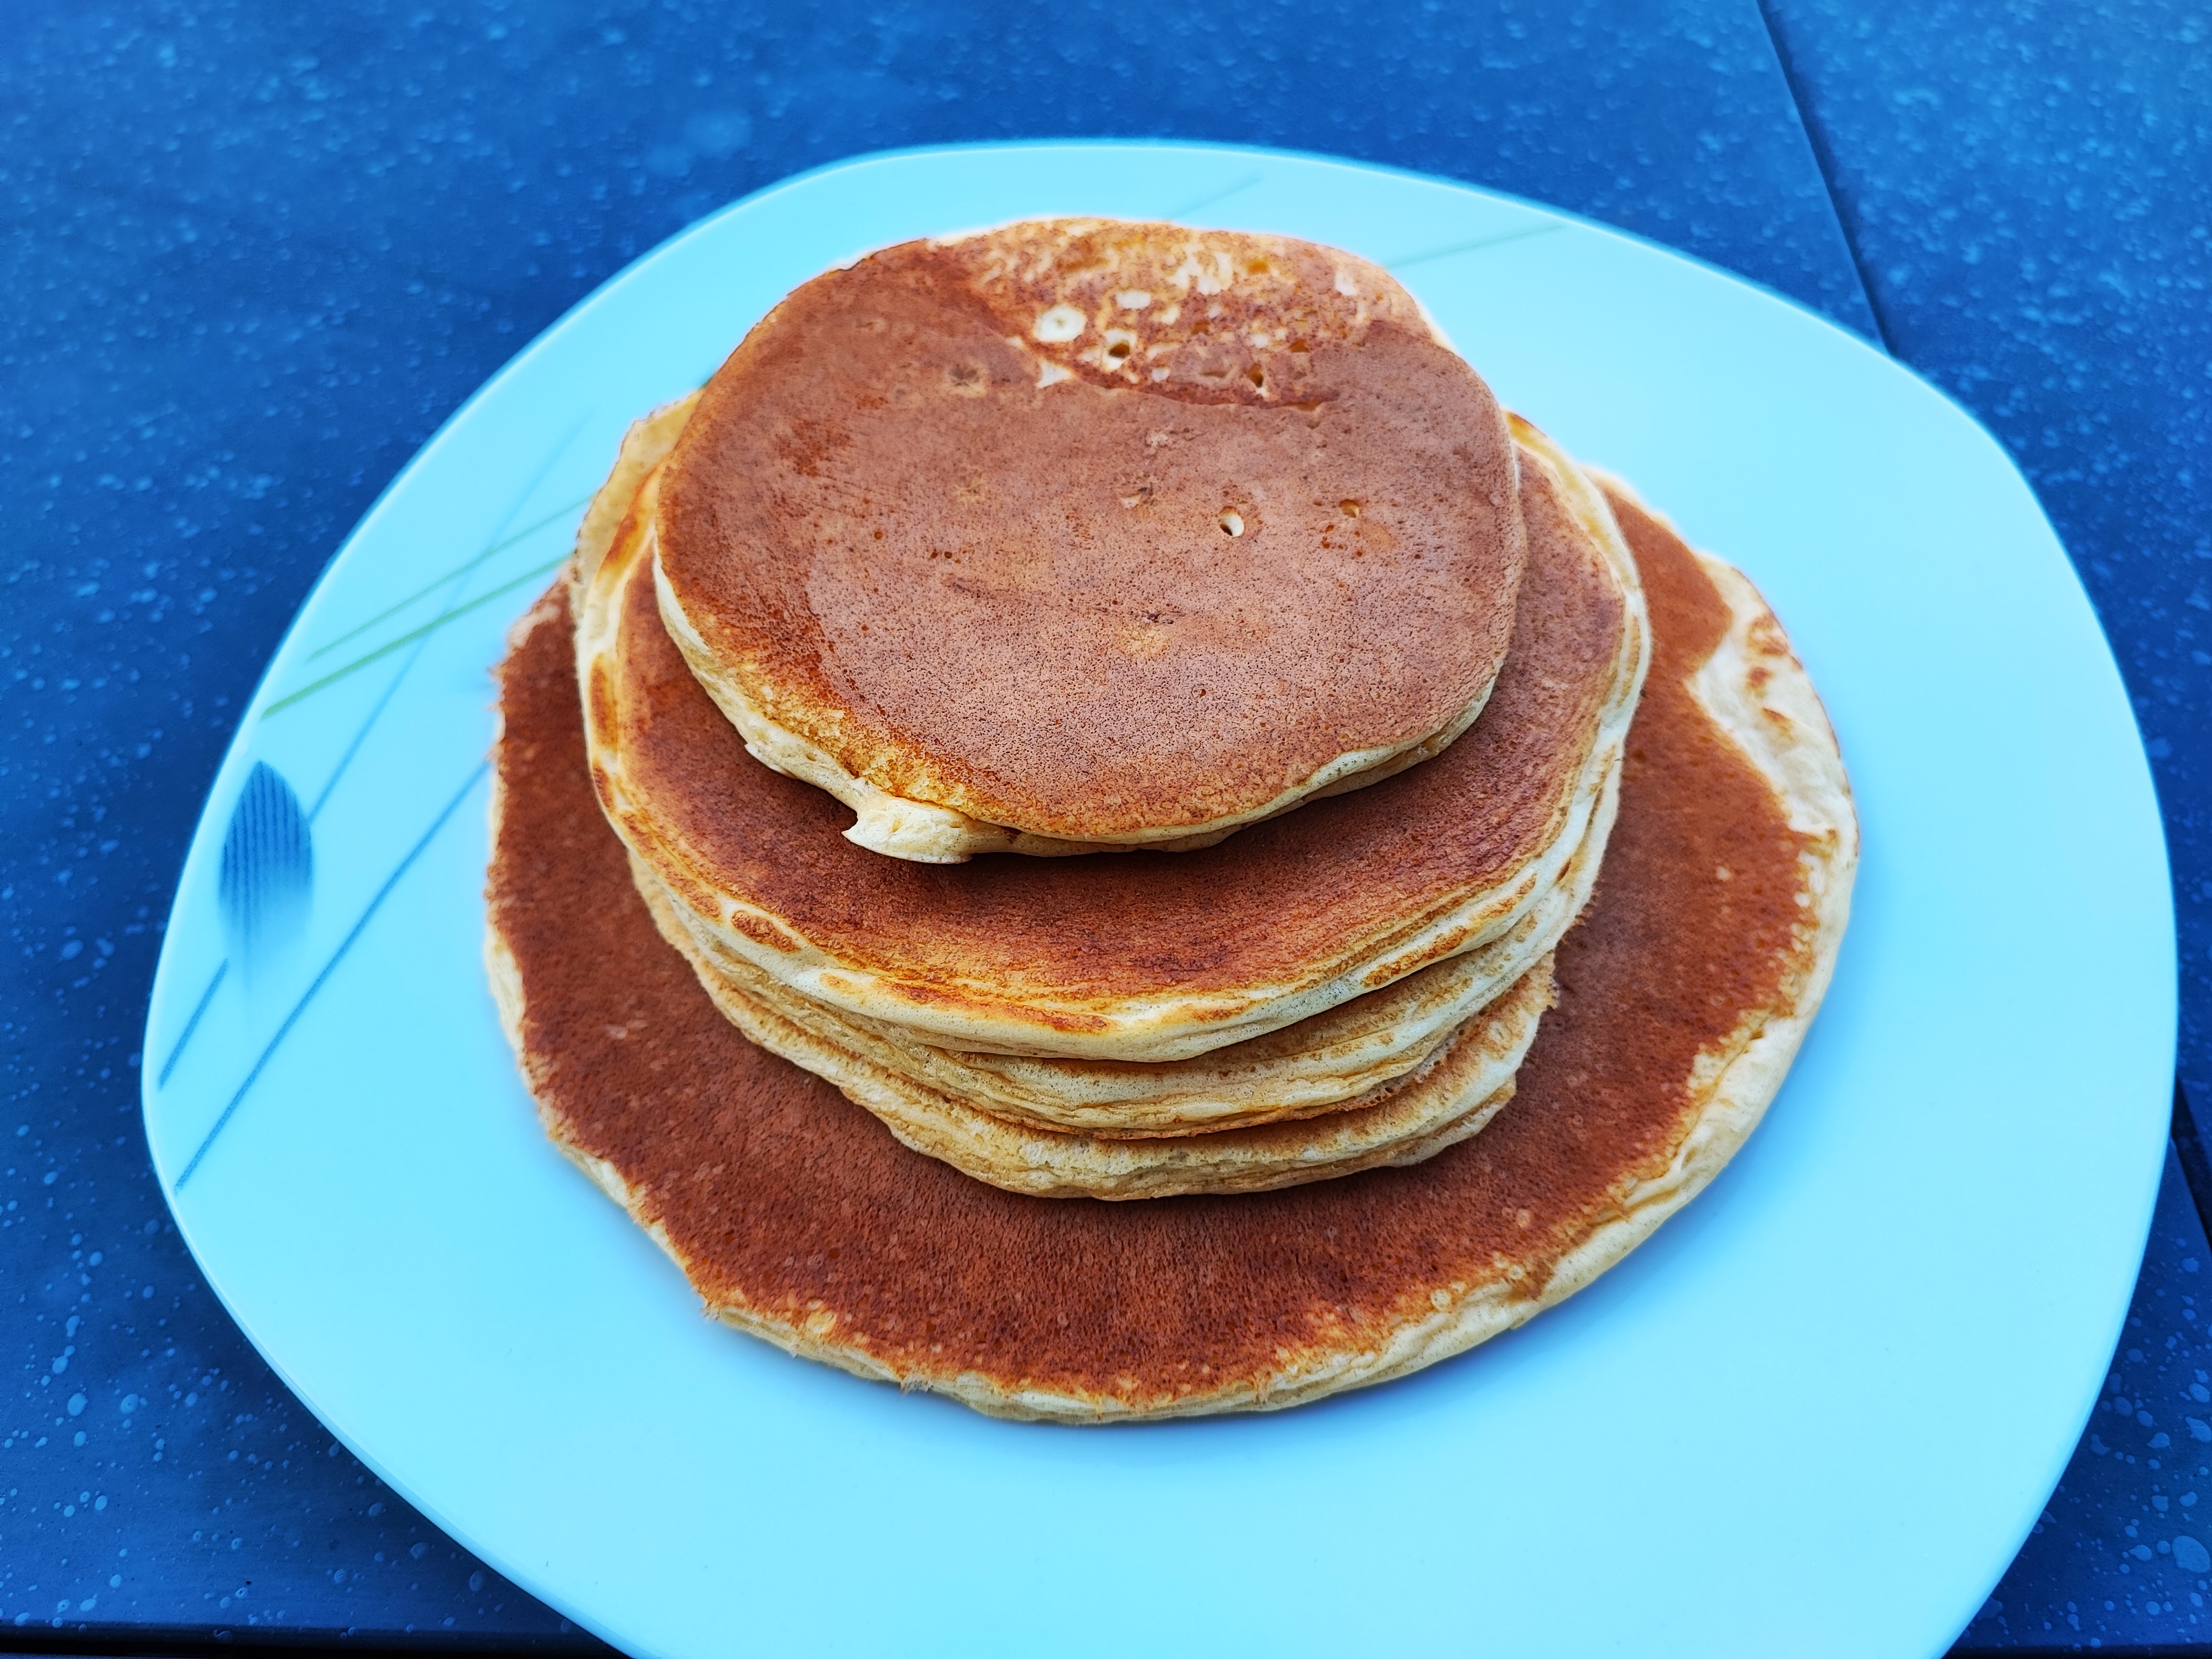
(1817, 1413)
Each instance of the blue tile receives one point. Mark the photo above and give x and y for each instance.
(2123, 1555)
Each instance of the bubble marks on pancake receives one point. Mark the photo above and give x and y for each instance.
(1202, 316)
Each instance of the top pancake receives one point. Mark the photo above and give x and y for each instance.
(1128, 956)
(1074, 533)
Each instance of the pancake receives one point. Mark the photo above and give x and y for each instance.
(1319, 1065)
(1079, 534)
(1128, 956)
(1451, 1094)
(1683, 995)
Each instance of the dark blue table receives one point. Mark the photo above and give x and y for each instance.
(255, 253)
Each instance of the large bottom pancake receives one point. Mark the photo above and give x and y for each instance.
(1683, 993)
(1453, 1094)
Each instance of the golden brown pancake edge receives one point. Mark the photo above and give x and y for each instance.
(1451, 1095)
(1318, 1066)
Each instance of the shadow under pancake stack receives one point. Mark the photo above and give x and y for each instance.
(1135, 846)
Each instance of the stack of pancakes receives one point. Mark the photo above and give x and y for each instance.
(1298, 702)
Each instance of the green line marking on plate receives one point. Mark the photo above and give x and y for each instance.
(463, 569)
(391, 646)
(1469, 247)
(1221, 194)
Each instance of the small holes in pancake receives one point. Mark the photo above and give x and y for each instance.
(1258, 376)
(1058, 326)
(966, 380)
(1232, 522)
(1119, 351)
(1349, 509)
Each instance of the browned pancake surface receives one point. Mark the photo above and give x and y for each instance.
(1020, 600)
(794, 1208)
(1333, 882)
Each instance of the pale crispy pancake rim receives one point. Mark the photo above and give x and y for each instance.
(1145, 303)
(1453, 1094)
(1165, 1020)
(1319, 1065)
(1757, 701)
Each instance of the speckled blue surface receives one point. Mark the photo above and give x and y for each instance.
(256, 254)
(2123, 1555)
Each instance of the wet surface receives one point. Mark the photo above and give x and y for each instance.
(2122, 1555)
